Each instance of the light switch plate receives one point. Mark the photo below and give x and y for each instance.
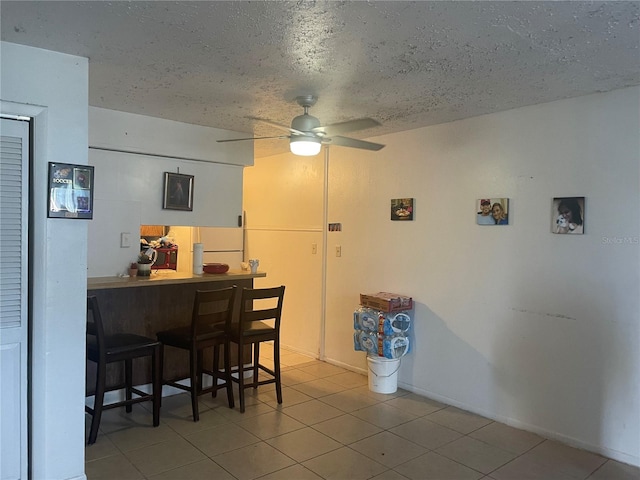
(125, 240)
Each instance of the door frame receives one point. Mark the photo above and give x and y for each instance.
(37, 116)
(21, 334)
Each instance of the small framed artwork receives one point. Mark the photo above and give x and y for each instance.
(492, 211)
(70, 191)
(178, 191)
(567, 215)
(402, 209)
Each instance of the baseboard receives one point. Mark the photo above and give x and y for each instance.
(565, 439)
(346, 366)
(622, 457)
(313, 355)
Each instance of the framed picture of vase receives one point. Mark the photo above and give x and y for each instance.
(178, 191)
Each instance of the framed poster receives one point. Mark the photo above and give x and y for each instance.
(492, 211)
(178, 191)
(70, 191)
(567, 215)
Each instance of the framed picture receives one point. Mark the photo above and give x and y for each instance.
(178, 192)
(492, 211)
(70, 191)
(402, 209)
(567, 215)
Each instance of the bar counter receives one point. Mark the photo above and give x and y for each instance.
(147, 305)
(167, 278)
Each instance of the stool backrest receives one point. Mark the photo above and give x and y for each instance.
(212, 311)
(95, 328)
(260, 304)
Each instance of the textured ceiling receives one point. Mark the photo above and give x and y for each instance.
(405, 64)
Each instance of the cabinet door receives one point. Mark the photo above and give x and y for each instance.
(129, 185)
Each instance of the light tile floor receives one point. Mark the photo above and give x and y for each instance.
(330, 426)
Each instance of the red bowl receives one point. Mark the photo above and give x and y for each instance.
(215, 268)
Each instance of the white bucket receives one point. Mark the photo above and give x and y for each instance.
(383, 374)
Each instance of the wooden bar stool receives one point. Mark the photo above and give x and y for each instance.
(120, 347)
(257, 306)
(212, 310)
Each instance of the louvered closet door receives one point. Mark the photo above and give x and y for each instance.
(14, 183)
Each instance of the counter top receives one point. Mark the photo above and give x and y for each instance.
(158, 278)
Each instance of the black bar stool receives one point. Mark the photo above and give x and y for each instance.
(252, 329)
(212, 310)
(120, 347)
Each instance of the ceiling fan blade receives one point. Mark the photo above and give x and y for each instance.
(277, 125)
(353, 143)
(280, 137)
(348, 126)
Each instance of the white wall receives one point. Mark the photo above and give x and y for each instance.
(53, 88)
(129, 186)
(537, 330)
(284, 204)
(111, 129)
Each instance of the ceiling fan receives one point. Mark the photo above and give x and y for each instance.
(306, 135)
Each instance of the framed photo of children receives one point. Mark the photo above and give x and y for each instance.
(402, 209)
(567, 215)
(492, 211)
(178, 192)
(70, 191)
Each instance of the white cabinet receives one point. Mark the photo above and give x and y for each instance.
(130, 154)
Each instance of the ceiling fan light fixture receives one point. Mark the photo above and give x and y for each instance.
(306, 146)
(306, 134)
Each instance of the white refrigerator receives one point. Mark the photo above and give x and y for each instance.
(221, 245)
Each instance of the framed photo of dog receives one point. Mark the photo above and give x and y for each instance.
(567, 215)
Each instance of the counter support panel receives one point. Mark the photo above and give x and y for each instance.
(132, 306)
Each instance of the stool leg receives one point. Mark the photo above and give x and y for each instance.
(227, 371)
(215, 370)
(128, 376)
(193, 374)
(256, 362)
(156, 376)
(101, 373)
(161, 368)
(199, 370)
(241, 376)
(276, 369)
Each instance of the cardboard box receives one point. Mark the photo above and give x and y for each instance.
(386, 302)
